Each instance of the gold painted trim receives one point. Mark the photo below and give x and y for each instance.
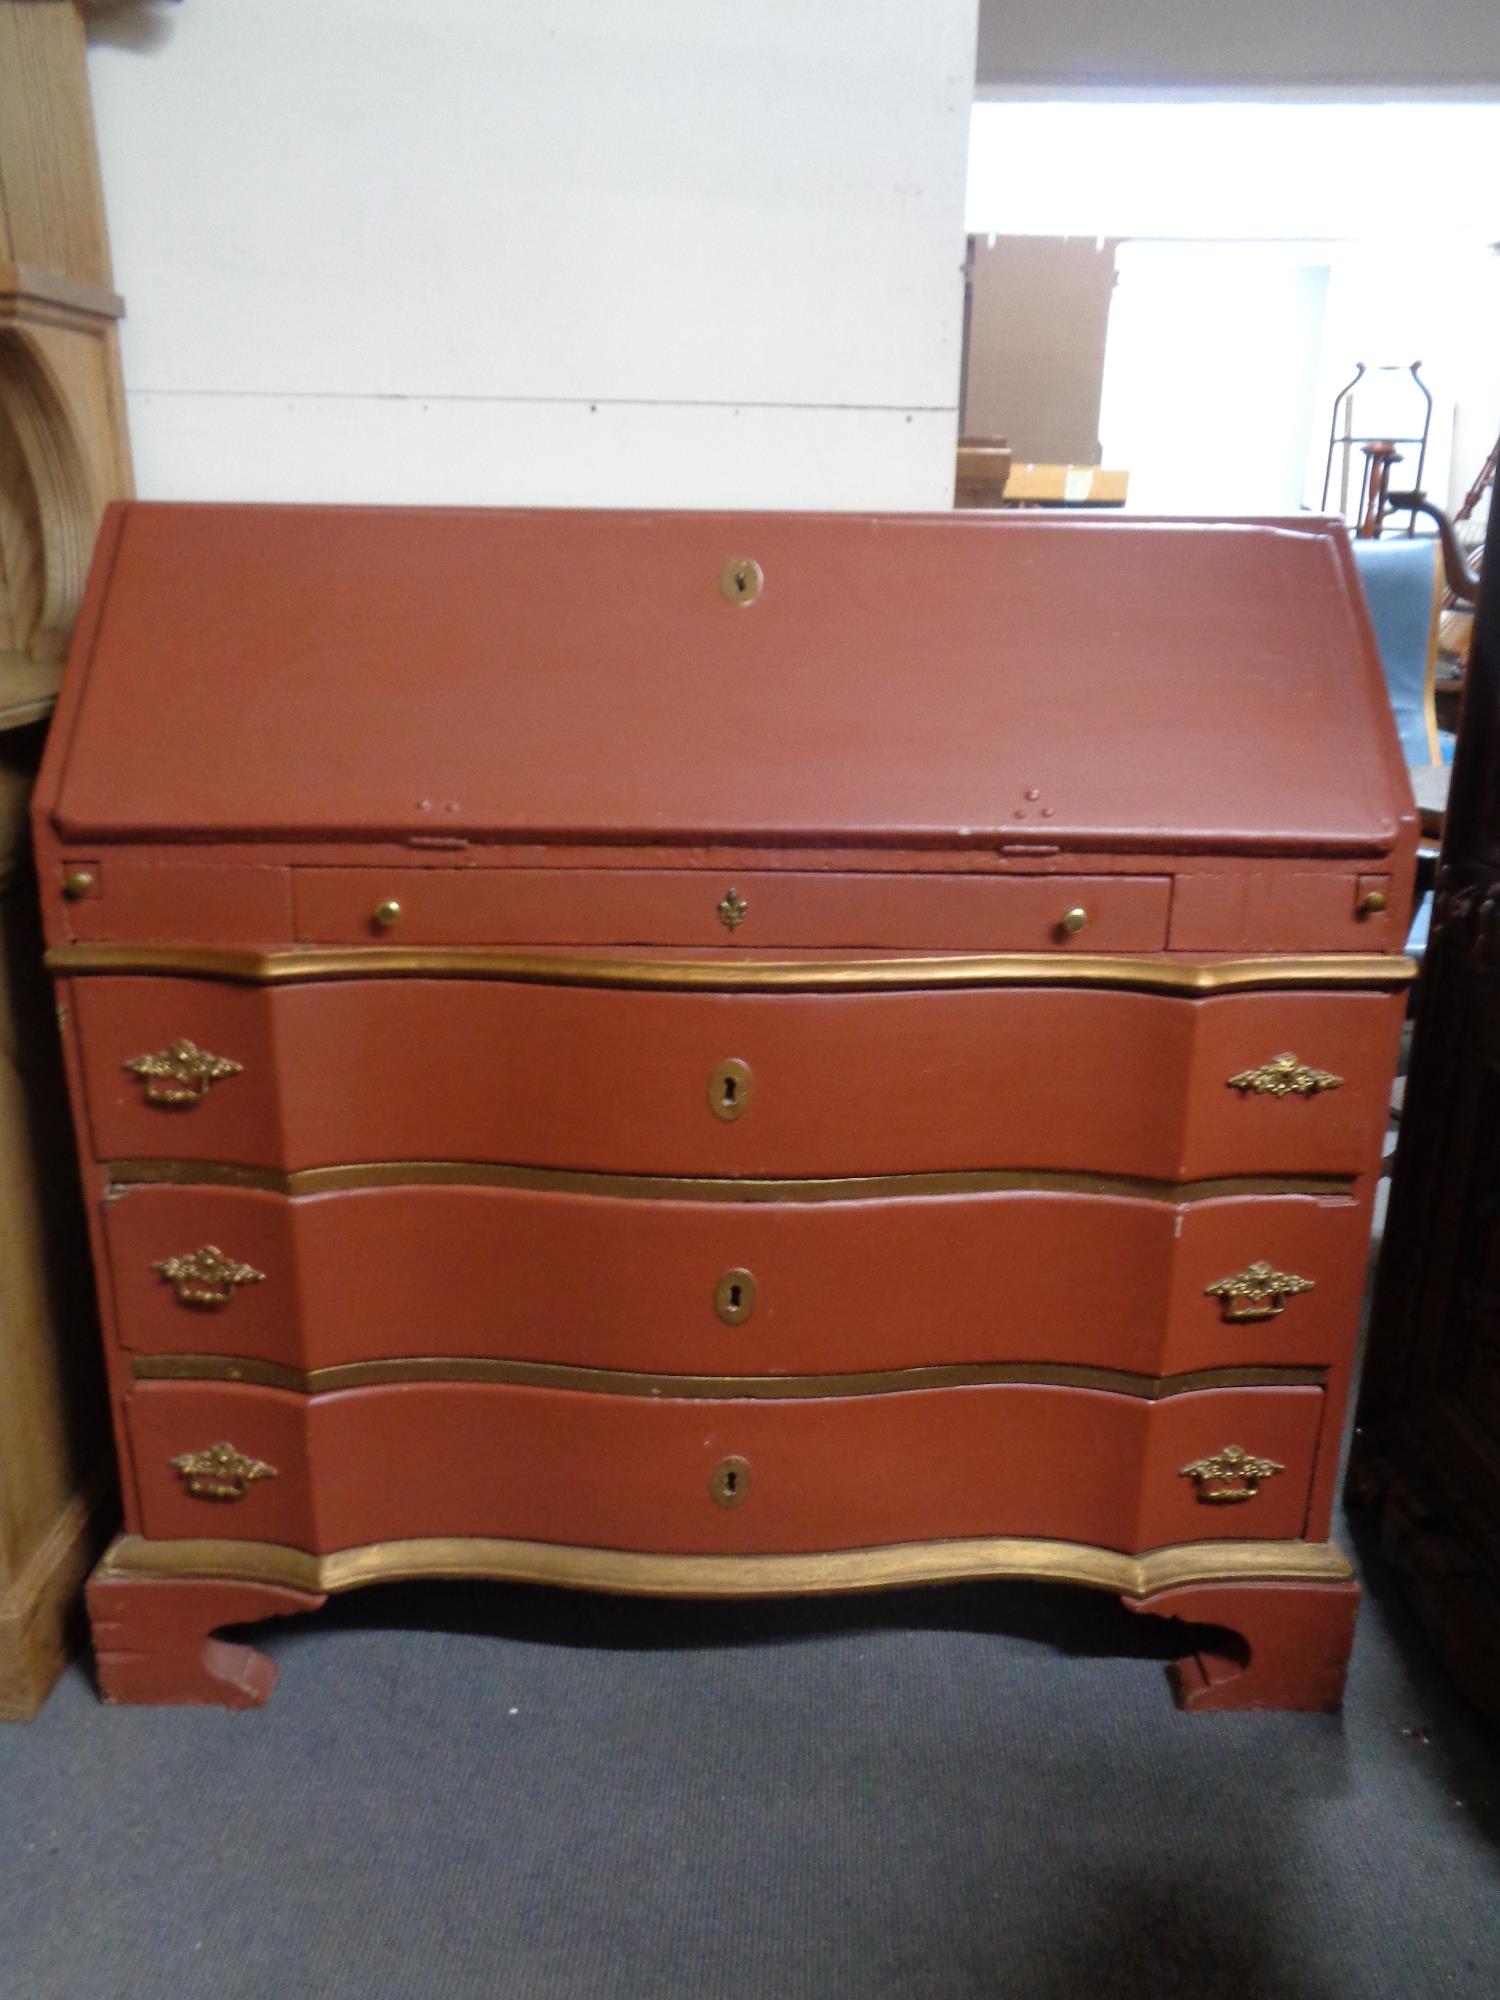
(751, 1388)
(737, 974)
(687, 1187)
(628, 1572)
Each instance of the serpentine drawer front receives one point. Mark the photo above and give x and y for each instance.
(652, 1474)
(815, 1279)
(726, 1055)
(1050, 1078)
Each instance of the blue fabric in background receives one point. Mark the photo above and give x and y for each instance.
(1400, 580)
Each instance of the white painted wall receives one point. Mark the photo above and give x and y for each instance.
(676, 253)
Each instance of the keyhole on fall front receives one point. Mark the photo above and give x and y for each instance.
(740, 580)
(731, 1089)
(734, 1298)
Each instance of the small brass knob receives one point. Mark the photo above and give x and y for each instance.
(77, 884)
(385, 914)
(1074, 922)
(1372, 903)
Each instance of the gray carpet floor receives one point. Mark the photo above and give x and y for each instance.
(491, 1792)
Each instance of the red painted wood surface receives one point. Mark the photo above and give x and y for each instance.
(1099, 1280)
(956, 679)
(1259, 1645)
(924, 717)
(168, 901)
(383, 1464)
(656, 906)
(154, 1639)
(1048, 1078)
(1248, 909)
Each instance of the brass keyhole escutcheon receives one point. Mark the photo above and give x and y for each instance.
(729, 1482)
(740, 580)
(729, 1090)
(734, 1297)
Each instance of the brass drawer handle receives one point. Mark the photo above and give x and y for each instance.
(386, 915)
(180, 1075)
(729, 1482)
(729, 1090)
(1231, 1475)
(1073, 922)
(1257, 1292)
(206, 1279)
(1283, 1076)
(77, 884)
(734, 1297)
(220, 1472)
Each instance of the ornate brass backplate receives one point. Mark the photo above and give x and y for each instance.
(729, 1482)
(181, 1074)
(1283, 1076)
(220, 1472)
(1257, 1292)
(1231, 1475)
(733, 910)
(205, 1278)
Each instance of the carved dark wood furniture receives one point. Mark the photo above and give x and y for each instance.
(716, 1054)
(1427, 1452)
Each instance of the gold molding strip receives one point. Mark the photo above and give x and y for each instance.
(628, 1572)
(737, 974)
(707, 1388)
(687, 1187)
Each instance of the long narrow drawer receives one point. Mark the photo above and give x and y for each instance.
(715, 1287)
(370, 1465)
(796, 1084)
(792, 908)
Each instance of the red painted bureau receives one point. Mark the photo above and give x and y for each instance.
(726, 1054)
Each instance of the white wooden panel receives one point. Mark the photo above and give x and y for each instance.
(671, 200)
(400, 449)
